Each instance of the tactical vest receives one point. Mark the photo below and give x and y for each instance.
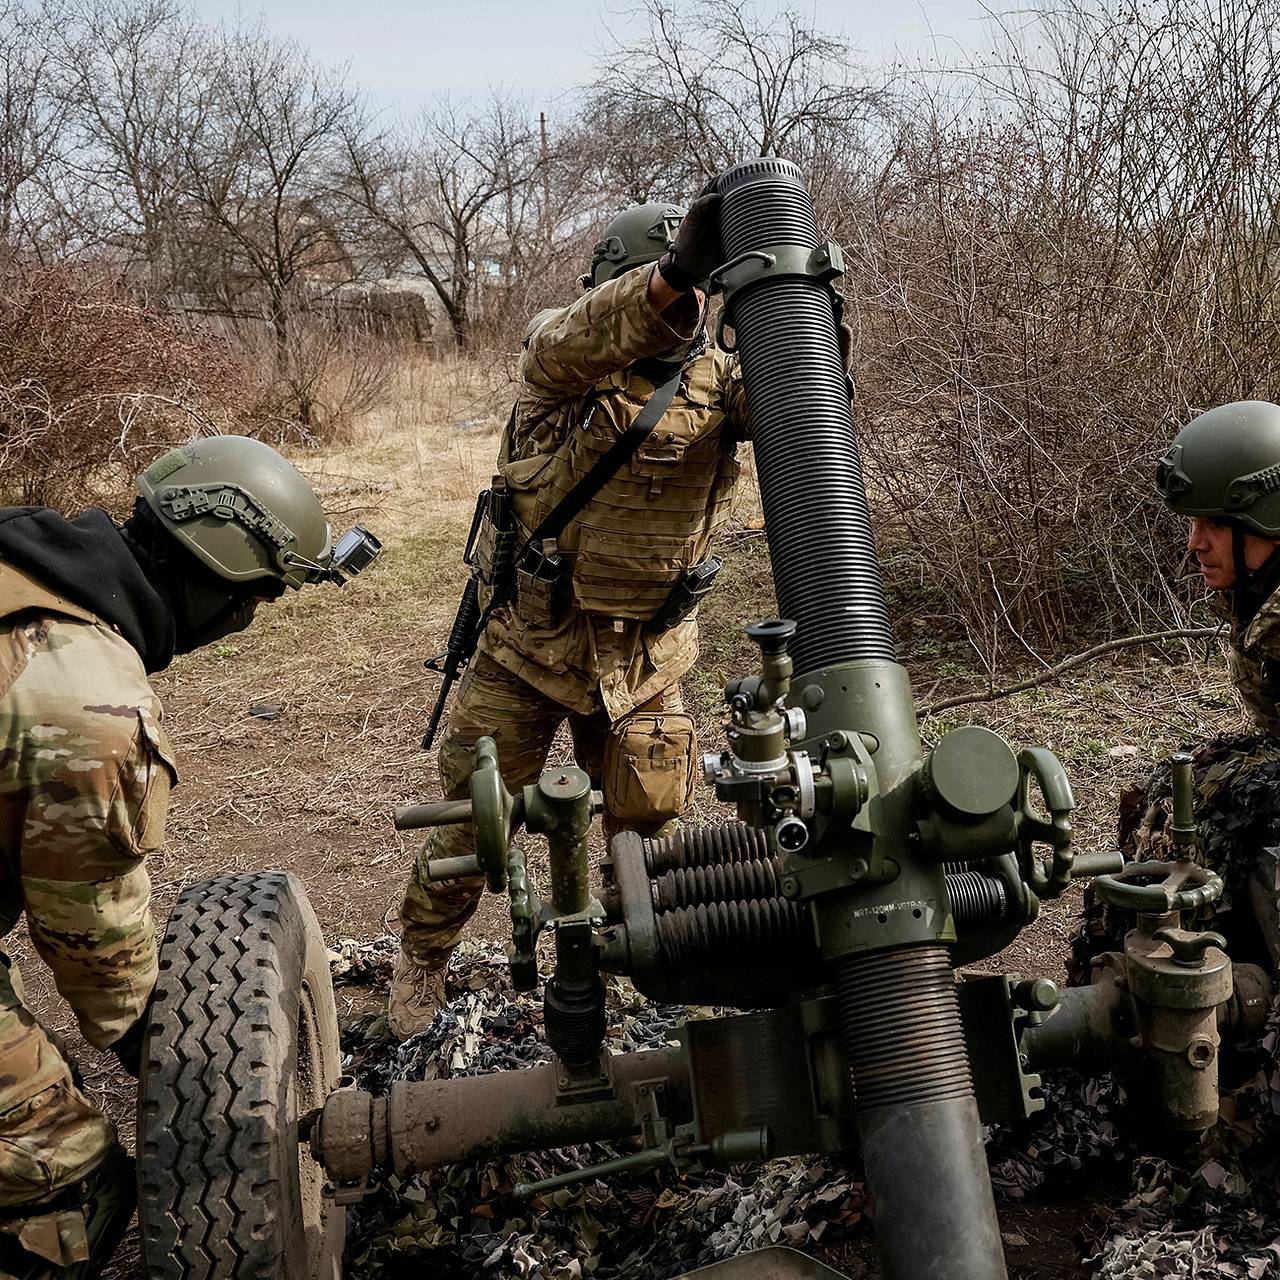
(659, 514)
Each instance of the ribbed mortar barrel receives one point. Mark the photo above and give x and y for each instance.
(825, 571)
(917, 1117)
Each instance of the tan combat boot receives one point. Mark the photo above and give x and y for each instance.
(417, 995)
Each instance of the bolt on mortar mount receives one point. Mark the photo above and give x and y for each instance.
(862, 872)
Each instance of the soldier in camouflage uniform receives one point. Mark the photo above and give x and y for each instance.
(88, 610)
(1222, 472)
(585, 373)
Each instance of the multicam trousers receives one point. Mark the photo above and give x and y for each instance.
(643, 763)
(51, 1135)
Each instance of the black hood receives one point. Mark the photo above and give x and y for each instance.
(89, 562)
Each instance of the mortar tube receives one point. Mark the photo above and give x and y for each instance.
(817, 521)
(916, 1110)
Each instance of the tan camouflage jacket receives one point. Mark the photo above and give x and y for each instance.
(85, 773)
(1254, 660)
(653, 520)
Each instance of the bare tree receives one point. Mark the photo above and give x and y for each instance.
(718, 81)
(1069, 250)
(137, 92)
(263, 171)
(451, 198)
(628, 149)
(31, 121)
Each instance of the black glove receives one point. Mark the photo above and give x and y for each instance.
(129, 1047)
(698, 250)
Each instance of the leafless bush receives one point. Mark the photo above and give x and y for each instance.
(92, 385)
(1055, 256)
(317, 385)
(1049, 276)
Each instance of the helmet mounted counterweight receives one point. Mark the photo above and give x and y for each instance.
(1225, 464)
(246, 512)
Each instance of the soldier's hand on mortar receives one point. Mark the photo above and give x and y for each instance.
(698, 250)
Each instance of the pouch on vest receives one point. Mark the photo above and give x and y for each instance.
(543, 585)
(491, 547)
(684, 596)
(648, 767)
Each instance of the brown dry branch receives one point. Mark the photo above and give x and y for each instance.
(1070, 664)
(316, 384)
(92, 384)
(1067, 251)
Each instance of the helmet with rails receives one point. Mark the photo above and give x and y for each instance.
(247, 513)
(637, 236)
(1225, 464)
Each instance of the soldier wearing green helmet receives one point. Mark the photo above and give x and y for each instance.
(1222, 472)
(636, 237)
(589, 638)
(89, 609)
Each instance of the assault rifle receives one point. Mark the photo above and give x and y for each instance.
(492, 517)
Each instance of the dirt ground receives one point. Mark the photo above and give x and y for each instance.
(311, 790)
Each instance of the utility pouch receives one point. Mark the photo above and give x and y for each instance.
(648, 767)
(543, 585)
(491, 544)
(684, 596)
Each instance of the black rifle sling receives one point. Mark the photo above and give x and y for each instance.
(555, 523)
(609, 462)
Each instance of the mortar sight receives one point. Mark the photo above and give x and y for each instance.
(772, 636)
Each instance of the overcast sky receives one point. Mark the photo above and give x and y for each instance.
(405, 51)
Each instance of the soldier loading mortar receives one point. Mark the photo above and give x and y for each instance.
(860, 873)
(589, 551)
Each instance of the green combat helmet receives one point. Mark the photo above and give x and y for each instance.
(248, 513)
(1226, 464)
(637, 236)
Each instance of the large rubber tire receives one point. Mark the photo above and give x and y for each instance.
(242, 1041)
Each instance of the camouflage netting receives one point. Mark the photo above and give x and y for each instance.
(463, 1220)
(1211, 1214)
(1214, 1212)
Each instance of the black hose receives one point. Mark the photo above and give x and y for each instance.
(704, 847)
(977, 901)
(722, 930)
(731, 862)
(825, 571)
